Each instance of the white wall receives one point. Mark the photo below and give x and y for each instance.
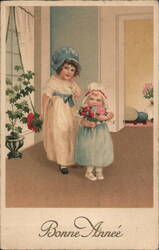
(77, 27)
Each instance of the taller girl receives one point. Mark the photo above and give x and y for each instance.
(58, 108)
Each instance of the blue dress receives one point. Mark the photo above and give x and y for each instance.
(94, 146)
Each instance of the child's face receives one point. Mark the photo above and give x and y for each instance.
(95, 99)
(67, 72)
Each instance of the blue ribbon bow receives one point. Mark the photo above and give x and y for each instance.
(66, 98)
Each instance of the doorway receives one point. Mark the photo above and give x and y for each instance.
(135, 64)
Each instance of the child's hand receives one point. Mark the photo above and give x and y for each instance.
(110, 116)
(77, 95)
(88, 124)
(104, 117)
(41, 117)
(100, 117)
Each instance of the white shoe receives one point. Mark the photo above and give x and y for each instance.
(99, 176)
(90, 176)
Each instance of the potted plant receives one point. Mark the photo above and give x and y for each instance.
(148, 92)
(19, 112)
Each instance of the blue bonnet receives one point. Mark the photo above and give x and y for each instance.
(62, 54)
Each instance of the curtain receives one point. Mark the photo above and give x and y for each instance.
(24, 18)
(7, 17)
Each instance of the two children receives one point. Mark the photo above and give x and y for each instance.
(92, 147)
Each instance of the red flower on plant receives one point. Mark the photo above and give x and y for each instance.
(33, 122)
(30, 119)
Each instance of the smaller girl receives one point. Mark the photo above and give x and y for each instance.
(94, 148)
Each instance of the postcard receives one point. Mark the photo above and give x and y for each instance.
(79, 125)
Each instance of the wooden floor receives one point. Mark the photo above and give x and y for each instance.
(33, 181)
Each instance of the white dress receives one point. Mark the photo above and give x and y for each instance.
(60, 123)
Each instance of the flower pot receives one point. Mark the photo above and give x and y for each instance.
(14, 145)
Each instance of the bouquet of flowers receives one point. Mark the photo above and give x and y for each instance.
(89, 112)
(148, 91)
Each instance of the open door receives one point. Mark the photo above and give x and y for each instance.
(135, 63)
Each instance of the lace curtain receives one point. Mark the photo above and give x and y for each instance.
(24, 18)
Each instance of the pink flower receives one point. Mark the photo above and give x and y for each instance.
(147, 87)
(148, 90)
(101, 110)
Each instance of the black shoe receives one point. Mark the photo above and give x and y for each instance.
(63, 170)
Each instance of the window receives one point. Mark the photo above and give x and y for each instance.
(13, 53)
(13, 56)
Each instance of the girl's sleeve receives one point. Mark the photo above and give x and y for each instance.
(78, 117)
(77, 90)
(48, 88)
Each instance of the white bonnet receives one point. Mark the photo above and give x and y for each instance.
(97, 87)
(94, 86)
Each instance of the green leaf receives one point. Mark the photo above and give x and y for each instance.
(8, 126)
(8, 82)
(11, 114)
(37, 115)
(24, 103)
(24, 120)
(18, 96)
(30, 74)
(31, 89)
(16, 87)
(23, 92)
(14, 135)
(12, 100)
(9, 91)
(17, 68)
(25, 76)
(18, 105)
(25, 83)
(26, 109)
(18, 114)
(18, 129)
